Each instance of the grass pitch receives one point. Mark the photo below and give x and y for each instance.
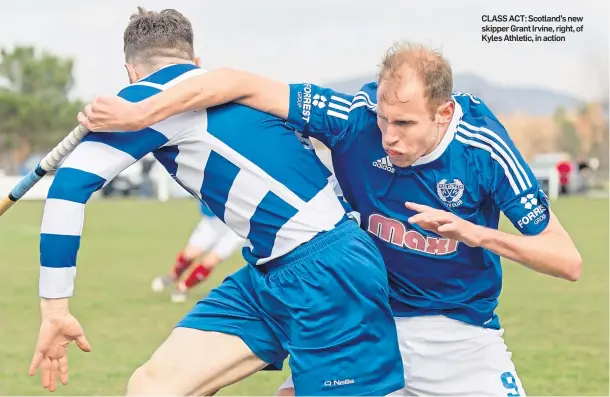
(557, 331)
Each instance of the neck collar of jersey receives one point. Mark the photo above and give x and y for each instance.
(155, 71)
(444, 144)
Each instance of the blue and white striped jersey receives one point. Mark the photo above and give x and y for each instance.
(251, 170)
(476, 172)
(205, 211)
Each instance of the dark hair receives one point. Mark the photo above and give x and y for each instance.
(158, 34)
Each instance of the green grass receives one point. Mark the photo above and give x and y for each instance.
(557, 331)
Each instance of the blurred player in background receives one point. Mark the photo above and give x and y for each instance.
(302, 250)
(213, 242)
(430, 171)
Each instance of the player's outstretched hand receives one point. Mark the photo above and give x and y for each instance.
(445, 224)
(111, 114)
(51, 353)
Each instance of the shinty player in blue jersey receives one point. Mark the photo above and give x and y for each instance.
(429, 170)
(315, 286)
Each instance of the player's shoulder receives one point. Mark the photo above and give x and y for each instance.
(351, 113)
(360, 109)
(176, 127)
(158, 81)
(368, 94)
(366, 99)
(480, 132)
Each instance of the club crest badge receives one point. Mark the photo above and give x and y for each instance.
(450, 192)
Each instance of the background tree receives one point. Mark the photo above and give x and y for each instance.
(567, 138)
(35, 110)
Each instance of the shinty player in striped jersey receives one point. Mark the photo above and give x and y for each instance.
(430, 171)
(315, 286)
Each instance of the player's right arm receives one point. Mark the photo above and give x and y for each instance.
(316, 111)
(218, 87)
(94, 162)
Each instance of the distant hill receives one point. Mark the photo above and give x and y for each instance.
(501, 99)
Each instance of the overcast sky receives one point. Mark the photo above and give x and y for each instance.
(321, 40)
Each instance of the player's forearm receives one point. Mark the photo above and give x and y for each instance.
(550, 253)
(59, 242)
(63, 219)
(60, 230)
(203, 91)
(214, 88)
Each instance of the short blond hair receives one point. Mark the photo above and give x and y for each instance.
(151, 34)
(428, 64)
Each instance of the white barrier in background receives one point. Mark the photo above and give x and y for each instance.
(167, 188)
(549, 181)
(38, 192)
(554, 184)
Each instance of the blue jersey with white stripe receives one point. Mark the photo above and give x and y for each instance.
(251, 171)
(476, 172)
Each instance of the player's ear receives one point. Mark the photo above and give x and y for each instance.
(198, 62)
(131, 73)
(445, 113)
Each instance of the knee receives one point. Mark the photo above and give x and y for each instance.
(146, 381)
(137, 382)
(152, 380)
(190, 252)
(211, 260)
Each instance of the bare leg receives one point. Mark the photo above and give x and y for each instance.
(193, 362)
(289, 392)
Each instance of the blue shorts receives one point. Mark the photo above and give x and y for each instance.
(325, 304)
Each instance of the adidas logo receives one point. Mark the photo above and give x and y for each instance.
(385, 164)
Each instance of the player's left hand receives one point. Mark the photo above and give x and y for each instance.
(111, 113)
(445, 224)
(51, 353)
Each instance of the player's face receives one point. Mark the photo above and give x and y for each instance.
(408, 130)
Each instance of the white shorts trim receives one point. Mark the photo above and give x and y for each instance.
(442, 356)
(288, 384)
